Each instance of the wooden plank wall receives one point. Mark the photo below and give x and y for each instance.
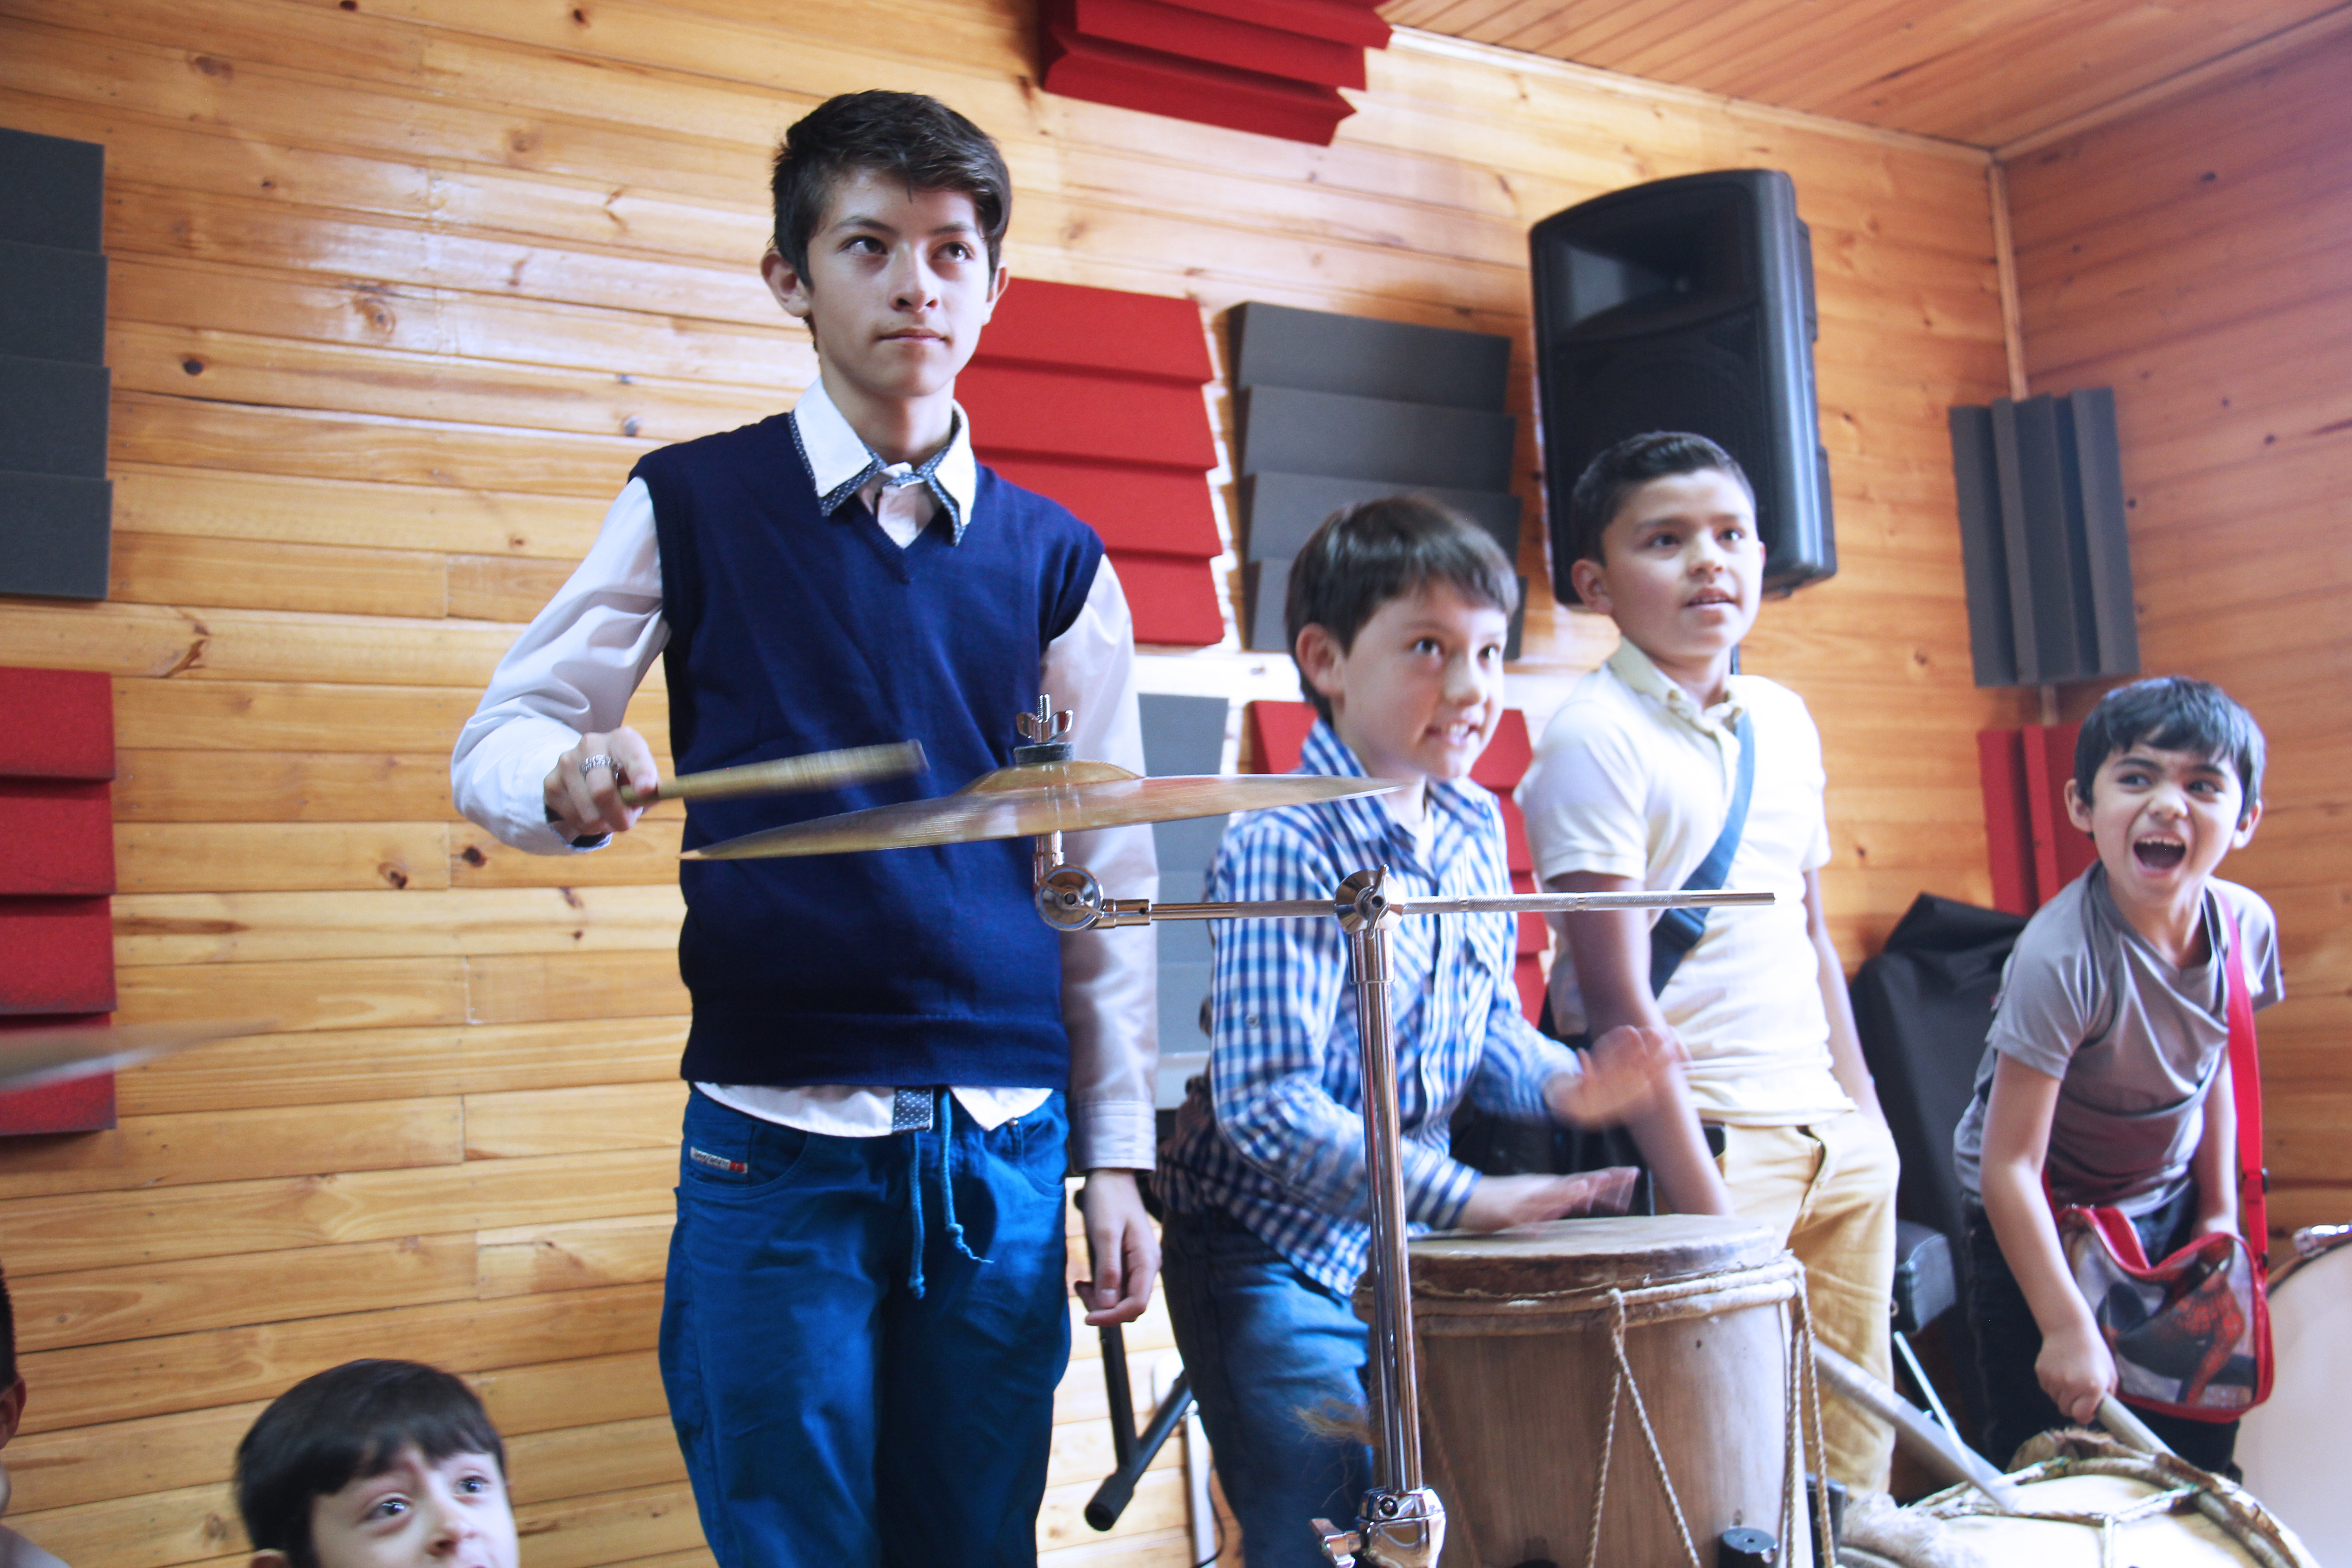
(401, 289)
(2192, 258)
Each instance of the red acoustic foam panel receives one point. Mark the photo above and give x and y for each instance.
(56, 837)
(79, 1105)
(1507, 756)
(1073, 414)
(1092, 396)
(2008, 821)
(1151, 511)
(2061, 851)
(1103, 71)
(1067, 326)
(1277, 732)
(60, 956)
(1245, 45)
(56, 724)
(1528, 973)
(1338, 21)
(1172, 599)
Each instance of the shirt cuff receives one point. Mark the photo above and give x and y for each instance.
(1113, 1135)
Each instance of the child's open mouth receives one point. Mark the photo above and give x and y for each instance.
(2159, 854)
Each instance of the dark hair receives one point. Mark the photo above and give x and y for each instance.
(906, 135)
(339, 1426)
(1366, 554)
(1607, 480)
(7, 1339)
(2172, 713)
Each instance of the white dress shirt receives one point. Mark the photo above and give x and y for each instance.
(573, 671)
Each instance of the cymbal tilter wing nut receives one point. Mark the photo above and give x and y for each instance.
(1070, 898)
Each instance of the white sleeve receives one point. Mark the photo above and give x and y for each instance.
(571, 673)
(1110, 979)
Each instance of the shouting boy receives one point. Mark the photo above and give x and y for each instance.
(1665, 769)
(1397, 614)
(2105, 1080)
(865, 1318)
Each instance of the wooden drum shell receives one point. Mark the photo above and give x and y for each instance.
(1517, 1363)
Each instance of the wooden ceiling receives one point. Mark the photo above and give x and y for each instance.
(1989, 72)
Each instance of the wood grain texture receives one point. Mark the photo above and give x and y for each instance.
(399, 295)
(1988, 73)
(2174, 255)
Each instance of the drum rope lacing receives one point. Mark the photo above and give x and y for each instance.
(2244, 1526)
(1698, 1296)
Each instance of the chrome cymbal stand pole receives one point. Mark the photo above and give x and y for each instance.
(1401, 1523)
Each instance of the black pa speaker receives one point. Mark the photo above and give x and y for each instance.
(1687, 304)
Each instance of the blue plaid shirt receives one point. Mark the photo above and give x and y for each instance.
(1275, 1134)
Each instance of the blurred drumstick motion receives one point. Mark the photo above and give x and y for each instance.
(788, 776)
(32, 1057)
(1937, 1450)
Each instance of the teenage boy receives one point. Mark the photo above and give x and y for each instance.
(864, 1319)
(1397, 614)
(1665, 770)
(375, 1464)
(2105, 1080)
(16, 1552)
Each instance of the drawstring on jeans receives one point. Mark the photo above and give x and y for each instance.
(943, 1124)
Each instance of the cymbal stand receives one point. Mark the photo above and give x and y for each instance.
(1401, 1522)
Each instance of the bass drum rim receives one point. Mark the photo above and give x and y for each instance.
(2297, 1477)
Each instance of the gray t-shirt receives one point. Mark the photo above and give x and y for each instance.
(2134, 1040)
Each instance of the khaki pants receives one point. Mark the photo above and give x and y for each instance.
(1828, 1189)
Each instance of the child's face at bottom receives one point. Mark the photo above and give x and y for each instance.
(1417, 693)
(419, 1513)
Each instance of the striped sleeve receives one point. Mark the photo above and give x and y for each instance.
(1283, 1070)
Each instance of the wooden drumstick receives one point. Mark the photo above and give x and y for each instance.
(788, 776)
(2127, 1428)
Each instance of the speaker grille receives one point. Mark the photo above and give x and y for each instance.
(1702, 379)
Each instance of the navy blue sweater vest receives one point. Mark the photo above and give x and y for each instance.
(791, 631)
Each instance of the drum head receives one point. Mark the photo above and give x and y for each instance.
(2293, 1447)
(1574, 1255)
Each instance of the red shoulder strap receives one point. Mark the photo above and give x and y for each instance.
(2246, 1092)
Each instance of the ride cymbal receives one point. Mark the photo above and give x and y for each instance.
(1029, 799)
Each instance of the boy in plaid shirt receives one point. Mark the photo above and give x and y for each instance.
(1397, 614)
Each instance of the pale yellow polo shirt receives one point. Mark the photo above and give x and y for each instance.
(1633, 779)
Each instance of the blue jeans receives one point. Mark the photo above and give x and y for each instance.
(1264, 1346)
(861, 1337)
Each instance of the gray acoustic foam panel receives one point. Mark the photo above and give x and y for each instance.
(1183, 735)
(2046, 559)
(1284, 509)
(1277, 345)
(52, 303)
(52, 417)
(1288, 430)
(1984, 555)
(1265, 585)
(54, 535)
(54, 191)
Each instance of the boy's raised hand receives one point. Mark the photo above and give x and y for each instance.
(586, 803)
(1498, 1202)
(1623, 1075)
(2076, 1370)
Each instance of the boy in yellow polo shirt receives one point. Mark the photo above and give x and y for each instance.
(1664, 770)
